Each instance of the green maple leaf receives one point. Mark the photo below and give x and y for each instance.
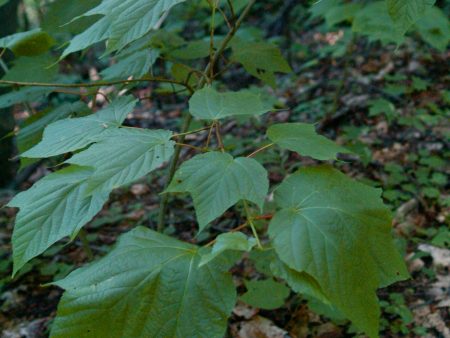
(149, 285)
(339, 232)
(217, 181)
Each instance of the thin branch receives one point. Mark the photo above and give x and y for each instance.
(261, 149)
(211, 37)
(261, 217)
(250, 221)
(219, 138)
(3, 66)
(191, 132)
(68, 92)
(224, 17)
(208, 139)
(240, 227)
(96, 84)
(226, 41)
(172, 168)
(233, 14)
(225, 68)
(188, 117)
(189, 146)
(5, 69)
(98, 92)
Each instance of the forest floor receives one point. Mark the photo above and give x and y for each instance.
(391, 107)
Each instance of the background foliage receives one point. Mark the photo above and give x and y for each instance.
(369, 74)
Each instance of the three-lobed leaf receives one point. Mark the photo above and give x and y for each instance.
(339, 232)
(149, 285)
(303, 139)
(217, 181)
(209, 104)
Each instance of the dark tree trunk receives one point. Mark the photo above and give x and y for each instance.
(8, 25)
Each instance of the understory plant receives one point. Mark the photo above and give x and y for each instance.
(329, 238)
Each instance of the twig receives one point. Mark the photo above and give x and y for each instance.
(189, 146)
(3, 66)
(224, 17)
(211, 36)
(242, 226)
(267, 217)
(250, 221)
(219, 138)
(233, 14)
(98, 92)
(261, 149)
(188, 117)
(191, 132)
(5, 69)
(95, 84)
(208, 139)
